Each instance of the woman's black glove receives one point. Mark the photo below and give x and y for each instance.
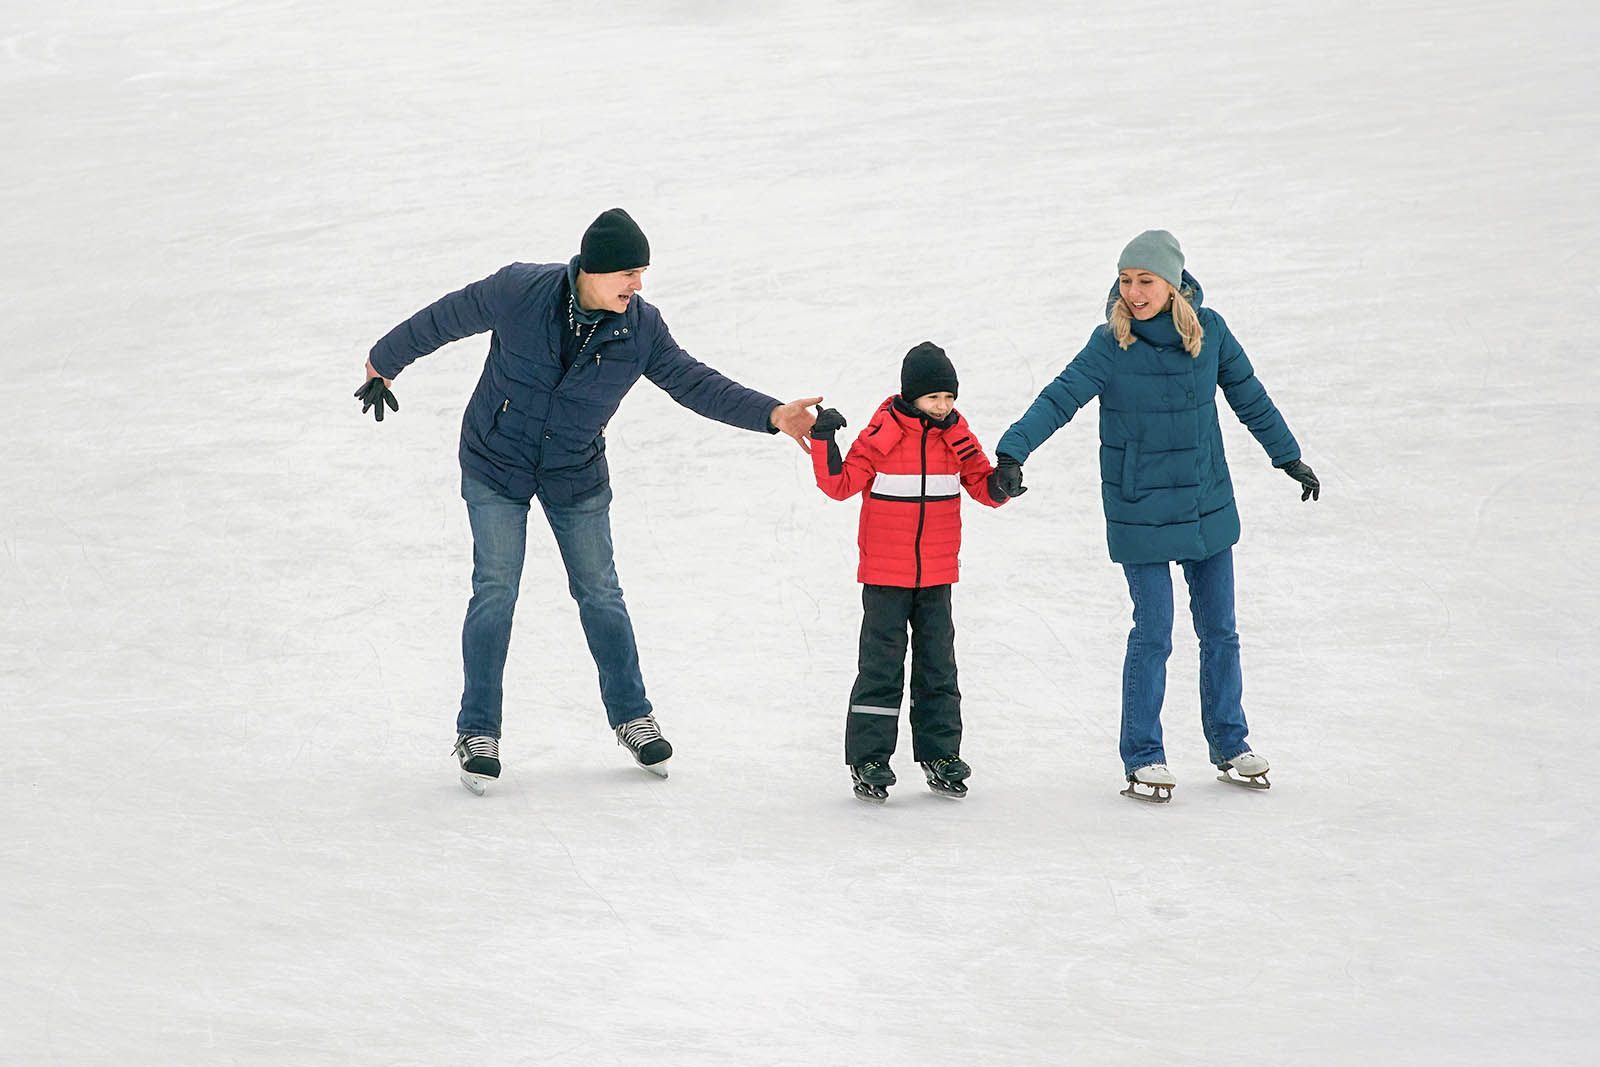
(1302, 474)
(374, 395)
(1006, 481)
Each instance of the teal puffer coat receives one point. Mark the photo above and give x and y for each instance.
(1163, 477)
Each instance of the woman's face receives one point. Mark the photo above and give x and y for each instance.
(1146, 295)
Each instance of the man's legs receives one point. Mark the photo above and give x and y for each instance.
(499, 541)
(935, 697)
(583, 534)
(873, 722)
(1144, 670)
(1221, 680)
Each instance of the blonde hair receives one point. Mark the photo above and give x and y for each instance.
(1183, 317)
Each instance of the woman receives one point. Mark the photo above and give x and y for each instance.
(1156, 366)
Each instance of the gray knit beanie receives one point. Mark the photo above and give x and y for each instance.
(1156, 251)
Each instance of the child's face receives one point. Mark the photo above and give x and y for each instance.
(936, 405)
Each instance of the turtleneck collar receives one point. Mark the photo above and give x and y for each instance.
(579, 313)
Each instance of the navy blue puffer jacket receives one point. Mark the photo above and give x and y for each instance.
(532, 428)
(1164, 480)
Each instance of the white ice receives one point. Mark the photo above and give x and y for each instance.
(230, 605)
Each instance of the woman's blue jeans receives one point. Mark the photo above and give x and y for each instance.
(1144, 671)
(499, 544)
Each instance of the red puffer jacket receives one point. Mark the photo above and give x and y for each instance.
(910, 472)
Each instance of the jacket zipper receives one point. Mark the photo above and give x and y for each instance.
(922, 507)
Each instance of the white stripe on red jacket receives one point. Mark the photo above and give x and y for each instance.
(909, 474)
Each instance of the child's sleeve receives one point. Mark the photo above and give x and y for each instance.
(860, 466)
(975, 466)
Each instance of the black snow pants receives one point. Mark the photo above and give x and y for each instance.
(873, 723)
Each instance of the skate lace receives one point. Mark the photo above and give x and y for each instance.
(636, 733)
(478, 745)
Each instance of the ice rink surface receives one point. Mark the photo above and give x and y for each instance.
(230, 606)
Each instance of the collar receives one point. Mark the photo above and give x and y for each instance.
(576, 313)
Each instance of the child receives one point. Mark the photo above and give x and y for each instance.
(1157, 365)
(909, 466)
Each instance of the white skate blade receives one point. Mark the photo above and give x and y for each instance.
(657, 769)
(1258, 781)
(476, 784)
(1159, 794)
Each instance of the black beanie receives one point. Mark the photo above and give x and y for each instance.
(613, 242)
(926, 370)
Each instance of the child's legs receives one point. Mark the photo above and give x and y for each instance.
(874, 718)
(935, 698)
(1144, 670)
(1221, 680)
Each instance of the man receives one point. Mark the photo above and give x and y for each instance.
(567, 342)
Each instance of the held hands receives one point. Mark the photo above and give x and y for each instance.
(829, 422)
(1301, 473)
(374, 394)
(1006, 481)
(795, 419)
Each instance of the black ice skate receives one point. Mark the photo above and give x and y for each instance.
(1246, 769)
(872, 781)
(948, 776)
(642, 738)
(480, 760)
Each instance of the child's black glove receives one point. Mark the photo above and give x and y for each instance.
(373, 395)
(830, 422)
(1301, 473)
(1006, 481)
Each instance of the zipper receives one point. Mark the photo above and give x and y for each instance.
(922, 506)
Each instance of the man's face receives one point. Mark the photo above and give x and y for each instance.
(609, 292)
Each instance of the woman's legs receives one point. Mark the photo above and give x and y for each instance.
(1211, 602)
(1144, 670)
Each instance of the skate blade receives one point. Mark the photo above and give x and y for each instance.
(1257, 782)
(871, 797)
(947, 793)
(657, 769)
(476, 784)
(1159, 794)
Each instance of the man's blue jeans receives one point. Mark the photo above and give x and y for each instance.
(499, 544)
(1144, 671)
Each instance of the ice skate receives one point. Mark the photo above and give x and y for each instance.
(872, 781)
(480, 761)
(1156, 778)
(948, 776)
(642, 738)
(1246, 769)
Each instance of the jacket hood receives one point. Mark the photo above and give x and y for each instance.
(894, 418)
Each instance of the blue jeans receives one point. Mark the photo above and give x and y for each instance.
(499, 543)
(1144, 671)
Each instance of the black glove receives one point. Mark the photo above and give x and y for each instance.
(1006, 481)
(374, 395)
(1302, 474)
(829, 422)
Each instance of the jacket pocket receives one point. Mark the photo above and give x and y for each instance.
(1130, 466)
